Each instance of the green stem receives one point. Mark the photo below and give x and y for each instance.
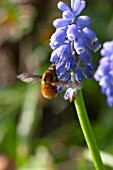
(87, 131)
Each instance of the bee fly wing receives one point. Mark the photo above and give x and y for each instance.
(76, 85)
(65, 85)
(28, 78)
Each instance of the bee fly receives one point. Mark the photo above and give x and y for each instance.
(49, 82)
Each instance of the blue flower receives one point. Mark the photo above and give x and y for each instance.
(70, 94)
(86, 57)
(88, 70)
(77, 6)
(66, 76)
(83, 21)
(70, 62)
(104, 72)
(71, 43)
(58, 37)
(79, 74)
(79, 45)
(90, 39)
(72, 32)
(61, 22)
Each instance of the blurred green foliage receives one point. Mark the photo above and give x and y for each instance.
(40, 134)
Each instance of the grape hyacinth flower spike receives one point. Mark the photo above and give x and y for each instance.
(71, 44)
(104, 72)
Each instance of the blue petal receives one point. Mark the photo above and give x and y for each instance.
(86, 57)
(105, 81)
(64, 50)
(111, 57)
(103, 90)
(105, 52)
(94, 45)
(78, 74)
(72, 32)
(110, 101)
(105, 68)
(83, 21)
(54, 56)
(67, 93)
(60, 67)
(63, 7)
(88, 70)
(107, 49)
(70, 62)
(88, 33)
(104, 65)
(66, 76)
(109, 91)
(77, 6)
(104, 60)
(108, 46)
(70, 94)
(102, 70)
(98, 74)
(59, 36)
(59, 88)
(68, 15)
(90, 39)
(58, 23)
(89, 67)
(72, 4)
(53, 46)
(79, 45)
(81, 7)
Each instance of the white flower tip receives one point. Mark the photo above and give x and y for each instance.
(80, 50)
(97, 48)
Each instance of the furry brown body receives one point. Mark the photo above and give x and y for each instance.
(48, 84)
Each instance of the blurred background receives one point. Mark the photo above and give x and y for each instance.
(40, 134)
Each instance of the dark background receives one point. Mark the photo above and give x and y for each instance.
(36, 133)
